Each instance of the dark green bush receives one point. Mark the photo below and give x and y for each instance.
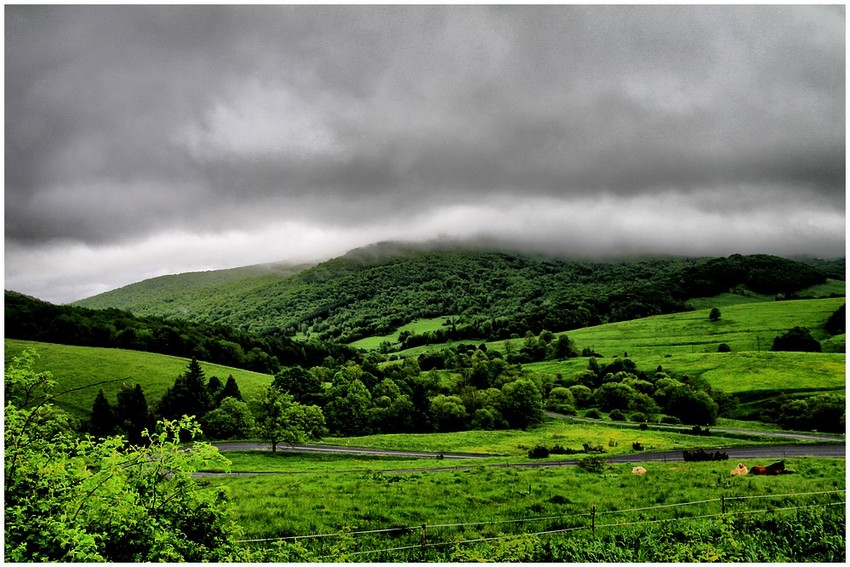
(539, 452)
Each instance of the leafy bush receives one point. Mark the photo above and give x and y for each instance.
(593, 413)
(593, 464)
(798, 339)
(539, 452)
(617, 415)
(723, 347)
(702, 455)
(822, 413)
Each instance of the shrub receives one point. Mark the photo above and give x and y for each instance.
(671, 420)
(539, 452)
(697, 430)
(723, 347)
(593, 413)
(617, 415)
(637, 446)
(702, 455)
(637, 416)
(594, 464)
(798, 339)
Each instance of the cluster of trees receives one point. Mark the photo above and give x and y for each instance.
(219, 408)
(28, 318)
(622, 390)
(458, 388)
(825, 412)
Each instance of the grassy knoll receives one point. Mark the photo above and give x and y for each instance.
(74, 366)
(491, 502)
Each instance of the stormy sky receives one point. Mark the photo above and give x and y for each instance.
(148, 140)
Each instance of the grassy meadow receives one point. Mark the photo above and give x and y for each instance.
(416, 327)
(73, 367)
(489, 502)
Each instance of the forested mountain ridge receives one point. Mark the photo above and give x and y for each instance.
(490, 294)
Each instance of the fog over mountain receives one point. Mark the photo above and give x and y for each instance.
(159, 139)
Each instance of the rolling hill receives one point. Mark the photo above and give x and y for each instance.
(494, 294)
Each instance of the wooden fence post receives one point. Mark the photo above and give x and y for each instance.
(424, 537)
(723, 503)
(593, 520)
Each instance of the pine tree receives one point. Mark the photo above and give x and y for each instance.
(133, 413)
(188, 395)
(103, 422)
(214, 388)
(231, 389)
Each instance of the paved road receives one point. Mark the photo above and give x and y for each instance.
(245, 446)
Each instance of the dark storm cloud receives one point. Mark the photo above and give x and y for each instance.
(125, 122)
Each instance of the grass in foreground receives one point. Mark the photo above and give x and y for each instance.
(493, 501)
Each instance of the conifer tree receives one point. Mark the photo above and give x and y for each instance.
(231, 389)
(103, 422)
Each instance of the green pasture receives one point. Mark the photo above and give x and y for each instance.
(830, 288)
(744, 327)
(417, 327)
(74, 366)
(493, 501)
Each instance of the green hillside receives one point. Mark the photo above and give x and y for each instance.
(74, 366)
(191, 294)
(744, 327)
(375, 291)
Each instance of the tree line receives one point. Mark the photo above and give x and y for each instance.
(28, 318)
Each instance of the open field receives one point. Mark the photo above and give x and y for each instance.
(744, 327)
(74, 366)
(469, 504)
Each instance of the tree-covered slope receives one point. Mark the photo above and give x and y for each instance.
(494, 294)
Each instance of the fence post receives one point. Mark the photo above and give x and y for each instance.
(424, 537)
(593, 520)
(723, 503)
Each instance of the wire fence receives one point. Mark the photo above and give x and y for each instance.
(425, 529)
